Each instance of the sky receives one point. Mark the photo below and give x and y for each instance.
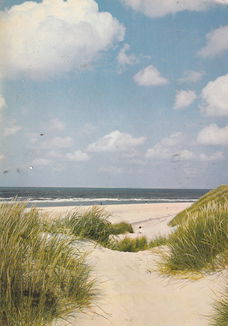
(117, 93)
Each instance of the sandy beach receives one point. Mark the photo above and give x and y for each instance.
(153, 218)
(131, 290)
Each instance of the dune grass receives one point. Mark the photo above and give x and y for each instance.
(220, 316)
(136, 244)
(121, 228)
(42, 276)
(129, 244)
(215, 197)
(93, 224)
(159, 241)
(201, 242)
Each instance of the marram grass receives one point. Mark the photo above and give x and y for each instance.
(215, 197)
(220, 316)
(120, 228)
(136, 244)
(42, 276)
(201, 243)
(93, 224)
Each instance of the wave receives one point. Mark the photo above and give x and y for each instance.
(97, 200)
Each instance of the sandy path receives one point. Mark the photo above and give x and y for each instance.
(132, 292)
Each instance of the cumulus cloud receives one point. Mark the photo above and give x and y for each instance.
(51, 37)
(171, 148)
(184, 98)
(124, 58)
(191, 76)
(213, 135)
(149, 76)
(217, 42)
(159, 8)
(12, 129)
(163, 149)
(116, 141)
(215, 97)
(77, 156)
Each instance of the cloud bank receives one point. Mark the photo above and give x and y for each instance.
(43, 39)
(171, 148)
(116, 141)
(159, 8)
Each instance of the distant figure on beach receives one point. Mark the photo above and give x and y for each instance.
(140, 229)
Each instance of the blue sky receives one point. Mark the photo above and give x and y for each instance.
(118, 93)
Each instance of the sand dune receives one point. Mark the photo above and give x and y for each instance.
(132, 292)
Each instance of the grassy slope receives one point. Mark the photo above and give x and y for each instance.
(218, 195)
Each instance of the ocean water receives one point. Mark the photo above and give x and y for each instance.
(44, 197)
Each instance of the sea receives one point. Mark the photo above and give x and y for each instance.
(58, 196)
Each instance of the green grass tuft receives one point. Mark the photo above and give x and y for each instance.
(42, 277)
(201, 242)
(220, 317)
(120, 228)
(158, 241)
(215, 197)
(129, 244)
(93, 224)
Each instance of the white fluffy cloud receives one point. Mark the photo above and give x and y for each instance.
(116, 141)
(213, 135)
(215, 97)
(159, 8)
(171, 148)
(191, 76)
(164, 148)
(149, 76)
(42, 39)
(77, 156)
(124, 58)
(184, 98)
(217, 42)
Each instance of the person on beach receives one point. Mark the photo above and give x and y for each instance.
(140, 229)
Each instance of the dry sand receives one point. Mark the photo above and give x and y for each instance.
(132, 292)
